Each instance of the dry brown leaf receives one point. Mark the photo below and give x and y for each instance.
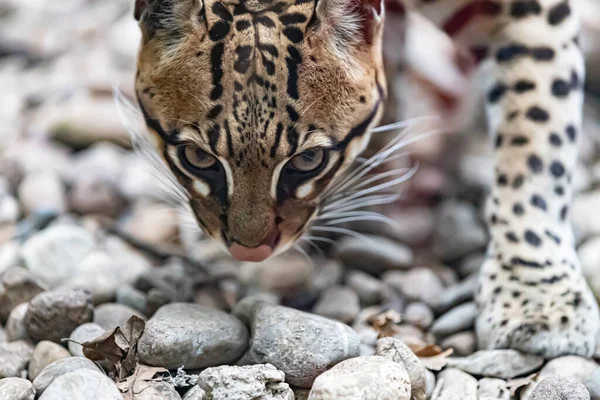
(386, 323)
(427, 351)
(437, 362)
(140, 380)
(515, 384)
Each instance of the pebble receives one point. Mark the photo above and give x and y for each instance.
(81, 334)
(14, 357)
(262, 381)
(589, 256)
(92, 194)
(461, 292)
(453, 384)
(458, 319)
(156, 391)
(131, 297)
(153, 224)
(59, 368)
(301, 345)
(53, 315)
(338, 302)
(54, 254)
(42, 191)
(592, 383)
(44, 354)
(189, 335)
(418, 314)
(17, 286)
(2, 336)
(110, 315)
(430, 383)
(471, 264)
(326, 276)
(278, 273)
(493, 389)
(15, 326)
(195, 393)
(82, 384)
(559, 388)
(16, 389)
(586, 222)
(505, 364)
(394, 350)
(370, 290)
(420, 284)
(459, 230)
(463, 343)
(373, 254)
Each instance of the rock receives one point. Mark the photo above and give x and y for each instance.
(17, 286)
(338, 302)
(373, 254)
(559, 388)
(246, 308)
(82, 384)
(153, 224)
(363, 378)
(301, 345)
(261, 381)
(301, 394)
(417, 284)
(493, 389)
(370, 290)
(10, 254)
(505, 364)
(456, 294)
(44, 354)
(592, 383)
(458, 319)
(158, 390)
(589, 256)
(155, 299)
(92, 194)
(325, 276)
(81, 334)
(195, 393)
(453, 384)
(394, 350)
(14, 357)
(459, 230)
(111, 315)
(59, 368)
(584, 219)
(53, 255)
(192, 336)
(429, 383)
(42, 191)
(131, 297)
(471, 264)
(2, 336)
(16, 389)
(15, 326)
(418, 314)
(278, 273)
(463, 343)
(55, 314)
(413, 226)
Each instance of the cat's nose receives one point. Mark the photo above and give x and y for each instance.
(255, 254)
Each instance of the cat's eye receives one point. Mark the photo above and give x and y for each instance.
(308, 160)
(195, 157)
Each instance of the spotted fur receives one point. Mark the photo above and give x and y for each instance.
(256, 83)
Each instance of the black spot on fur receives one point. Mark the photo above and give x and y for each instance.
(555, 140)
(542, 53)
(539, 202)
(242, 25)
(511, 237)
(538, 114)
(523, 8)
(215, 111)
(294, 18)
(499, 140)
(532, 238)
(523, 86)
(571, 133)
(496, 93)
(559, 13)
(535, 164)
(563, 213)
(518, 181)
(219, 30)
(518, 209)
(561, 88)
(557, 169)
(294, 34)
(510, 52)
(519, 141)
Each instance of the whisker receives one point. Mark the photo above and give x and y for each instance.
(319, 239)
(343, 231)
(303, 252)
(313, 245)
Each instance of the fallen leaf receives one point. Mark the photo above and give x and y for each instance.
(427, 351)
(515, 384)
(386, 323)
(437, 362)
(141, 378)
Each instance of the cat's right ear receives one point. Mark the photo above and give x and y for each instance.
(140, 7)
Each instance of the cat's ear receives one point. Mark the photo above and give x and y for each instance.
(140, 7)
(351, 21)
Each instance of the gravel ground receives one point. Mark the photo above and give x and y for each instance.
(108, 292)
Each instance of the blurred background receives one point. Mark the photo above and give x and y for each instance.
(79, 208)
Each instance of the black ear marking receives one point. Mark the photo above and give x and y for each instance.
(140, 7)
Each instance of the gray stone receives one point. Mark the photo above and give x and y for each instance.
(583, 215)
(456, 294)
(493, 389)
(458, 319)
(429, 383)
(82, 384)
(158, 390)
(463, 343)
(394, 350)
(370, 290)
(53, 315)
(301, 345)
(42, 191)
(59, 368)
(326, 276)
(278, 273)
(417, 284)
(195, 393)
(44, 354)
(2, 336)
(592, 383)
(111, 315)
(15, 326)
(131, 297)
(453, 384)
(246, 308)
(505, 364)
(419, 314)
(589, 257)
(458, 230)
(363, 378)
(17, 286)
(559, 388)
(261, 381)
(14, 357)
(192, 336)
(373, 254)
(81, 334)
(471, 264)
(16, 389)
(339, 303)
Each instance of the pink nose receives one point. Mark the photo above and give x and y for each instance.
(254, 254)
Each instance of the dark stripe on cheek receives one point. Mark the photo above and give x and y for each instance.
(151, 122)
(293, 60)
(360, 129)
(277, 139)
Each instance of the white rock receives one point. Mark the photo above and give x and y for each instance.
(459, 230)
(373, 254)
(458, 319)
(82, 384)
(419, 283)
(59, 368)
(339, 303)
(15, 326)
(111, 315)
(16, 389)
(493, 389)
(505, 364)
(14, 357)
(42, 191)
(559, 388)
(453, 384)
(44, 354)
(394, 350)
(586, 222)
(81, 334)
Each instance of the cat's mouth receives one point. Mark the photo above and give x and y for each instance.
(258, 253)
